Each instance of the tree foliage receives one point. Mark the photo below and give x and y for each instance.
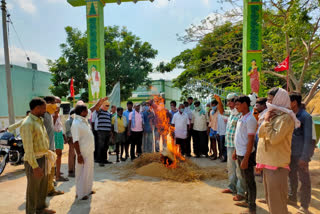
(126, 56)
(290, 28)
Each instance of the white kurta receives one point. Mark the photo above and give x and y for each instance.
(82, 133)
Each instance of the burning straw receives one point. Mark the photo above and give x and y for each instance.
(149, 164)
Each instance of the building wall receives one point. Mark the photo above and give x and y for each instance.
(26, 84)
(159, 86)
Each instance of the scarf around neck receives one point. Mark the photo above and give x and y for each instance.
(281, 102)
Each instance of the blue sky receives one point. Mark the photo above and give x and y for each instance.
(40, 26)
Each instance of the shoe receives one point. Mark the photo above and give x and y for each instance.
(71, 175)
(227, 191)
(118, 160)
(213, 157)
(108, 162)
(238, 198)
(62, 179)
(101, 164)
(223, 159)
(263, 201)
(123, 159)
(242, 204)
(55, 192)
(303, 210)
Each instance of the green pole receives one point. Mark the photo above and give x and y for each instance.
(252, 40)
(96, 50)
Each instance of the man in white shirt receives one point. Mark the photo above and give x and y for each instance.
(199, 126)
(84, 145)
(181, 123)
(135, 130)
(244, 152)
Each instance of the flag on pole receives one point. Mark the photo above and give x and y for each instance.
(71, 88)
(283, 66)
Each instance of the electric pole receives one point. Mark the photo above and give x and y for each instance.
(7, 62)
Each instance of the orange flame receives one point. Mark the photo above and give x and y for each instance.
(166, 130)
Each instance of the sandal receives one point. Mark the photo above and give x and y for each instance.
(62, 179)
(263, 201)
(242, 204)
(55, 193)
(227, 191)
(238, 198)
(47, 211)
(85, 198)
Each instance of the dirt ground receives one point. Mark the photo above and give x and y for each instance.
(139, 194)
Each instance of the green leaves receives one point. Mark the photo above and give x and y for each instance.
(127, 61)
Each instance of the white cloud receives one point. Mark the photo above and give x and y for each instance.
(27, 5)
(166, 76)
(161, 3)
(206, 2)
(10, 6)
(18, 57)
(57, 1)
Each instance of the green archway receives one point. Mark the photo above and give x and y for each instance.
(252, 18)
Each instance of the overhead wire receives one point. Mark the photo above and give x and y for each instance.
(9, 20)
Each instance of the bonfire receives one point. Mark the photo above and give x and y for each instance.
(170, 163)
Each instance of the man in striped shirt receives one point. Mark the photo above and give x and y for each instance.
(104, 132)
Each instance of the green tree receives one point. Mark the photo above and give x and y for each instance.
(127, 61)
(290, 28)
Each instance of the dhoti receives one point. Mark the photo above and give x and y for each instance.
(84, 176)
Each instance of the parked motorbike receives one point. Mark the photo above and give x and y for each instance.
(11, 150)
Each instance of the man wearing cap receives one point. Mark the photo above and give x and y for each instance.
(135, 130)
(236, 183)
(104, 132)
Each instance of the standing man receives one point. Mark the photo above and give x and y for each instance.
(261, 108)
(190, 102)
(236, 183)
(104, 132)
(212, 129)
(71, 153)
(173, 106)
(188, 140)
(128, 138)
(48, 123)
(274, 149)
(135, 130)
(59, 139)
(84, 145)
(221, 130)
(181, 123)
(199, 126)
(244, 153)
(119, 127)
(36, 146)
(148, 121)
(301, 152)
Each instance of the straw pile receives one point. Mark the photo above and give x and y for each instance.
(187, 171)
(313, 105)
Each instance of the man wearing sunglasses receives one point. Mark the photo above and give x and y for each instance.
(104, 132)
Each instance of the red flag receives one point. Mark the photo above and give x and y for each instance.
(71, 88)
(283, 65)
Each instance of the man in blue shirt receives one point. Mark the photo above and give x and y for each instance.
(301, 153)
(128, 140)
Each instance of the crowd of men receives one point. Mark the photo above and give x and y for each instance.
(269, 137)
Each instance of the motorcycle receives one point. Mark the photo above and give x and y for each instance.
(11, 150)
